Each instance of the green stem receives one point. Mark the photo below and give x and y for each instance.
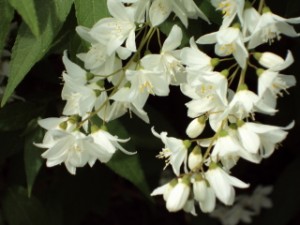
(261, 6)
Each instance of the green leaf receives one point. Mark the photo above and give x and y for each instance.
(15, 116)
(29, 49)
(6, 16)
(286, 198)
(127, 166)
(32, 154)
(213, 15)
(18, 209)
(26, 8)
(89, 12)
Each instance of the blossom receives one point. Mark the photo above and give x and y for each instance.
(222, 183)
(161, 9)
(80, 96)
(178, 195)
(113, 31)
(204, 195)
(270, 26)
(229, 8)
(196, 61)
(251, 17)
(192, 10)
(271, 84)
(165, 189)
(74, 149)
(175, 151)
(246, 102)
(168, 62)
(228, 41)
(208, 93)
(65, 143)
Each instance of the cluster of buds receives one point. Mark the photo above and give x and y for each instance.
(120, 73)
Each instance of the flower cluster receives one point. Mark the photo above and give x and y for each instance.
(120, 73)
(222, 101)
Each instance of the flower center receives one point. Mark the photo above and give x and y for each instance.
(227, 7)
(270, 33)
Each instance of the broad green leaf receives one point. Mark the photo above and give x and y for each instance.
(213, 15)
(89, 12)
(29, 49)
(26, 8)
(32, 154)
(6, 15)
(127, 166)
(18, 209)
(15, 116)
(286, 198)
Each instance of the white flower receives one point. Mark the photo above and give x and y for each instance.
(161, 9)
(222, 184)
(270, 26)
(196, 61)
(270, 137)
(98, 62)
(149, 81)
(80, 96)
(246, 102)
(175, 151)
(251, 18)
(178, 195)
(228, 41)
(204, 194)
(192, 10)
(108, 142)
(167, 62)
(164, 189)
(208, 94)
(127, 99)
(113, 31)
(271, 84)
(229, 8)
(74, 149)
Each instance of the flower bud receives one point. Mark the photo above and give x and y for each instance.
(199, 189)
(195, 158)
(178, 195)
(268, 59)
(196, 127)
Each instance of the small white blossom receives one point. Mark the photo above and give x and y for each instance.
(175, 151)
(228, 41)
(178, 195)
(230, 9)
(270, 26)
(222, 184)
